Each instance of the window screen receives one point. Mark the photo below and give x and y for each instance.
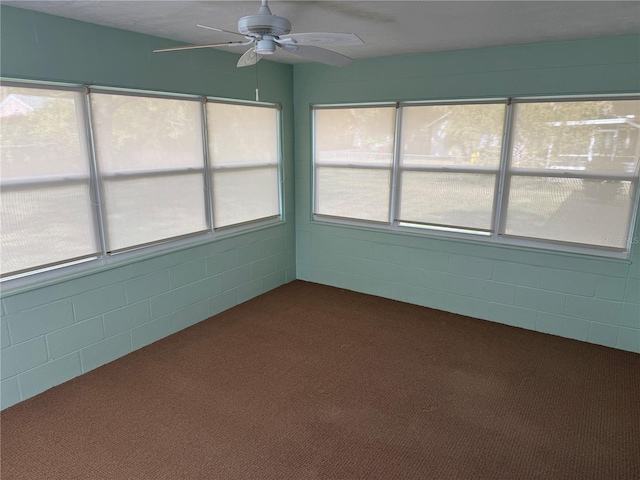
(243, 154)
(573, 172)
(449, 162)
(46, 210)
(354, 149)
(151, 168)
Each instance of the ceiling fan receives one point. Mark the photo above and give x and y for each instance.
(266, 32)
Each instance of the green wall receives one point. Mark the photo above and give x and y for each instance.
(68, 327)
(587, 298)
(54, 332)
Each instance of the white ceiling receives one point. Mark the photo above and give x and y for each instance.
(387, 27)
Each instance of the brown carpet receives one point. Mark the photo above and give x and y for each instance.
(314, 382)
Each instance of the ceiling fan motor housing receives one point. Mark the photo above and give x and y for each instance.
(258, 25)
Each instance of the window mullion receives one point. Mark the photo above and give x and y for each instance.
(95, 176)
(502, 192)
(394, 197)
(207, 169)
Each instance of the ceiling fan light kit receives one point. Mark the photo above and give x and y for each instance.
(265, 32)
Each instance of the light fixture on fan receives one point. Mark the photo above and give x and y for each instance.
(265, 32)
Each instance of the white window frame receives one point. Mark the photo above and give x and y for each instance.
(392, 169)
(504, 174)
(42, 275)
(210, 169)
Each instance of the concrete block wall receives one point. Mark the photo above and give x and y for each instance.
(589, 298)
(594, 300)
(52, 334)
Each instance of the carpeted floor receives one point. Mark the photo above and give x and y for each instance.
(314, 382)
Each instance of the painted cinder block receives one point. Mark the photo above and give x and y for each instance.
(565, 281)
(73, 338)
(291, 273)
(352, 282)
(391, 254)
(634, 268)
(603, 334)
(471, 307)
(274, 245)
(274, 280)
(303, 239)
(517, 273)
(22, 357)
(630, 316)
(222, 302)
(512, 315)
(263, 267)
(610, 288)
(425, 297)
(95, 302)
(629, 339)
(191, 315)
(470, 266)
(124, 319)
(9, 392)
(604, 311)
(536, 299)
(38, 321)
(221, 263)
(151, 332)
(205, 288)
(169, 302)
(481, 289)
(105, 351)
(37, 297)
(286, 259)
(390, 272)
(157, 264)
(186, 273)
(235, 277)
(147, 286)
(5, 341)
(632, 294)
(428, 260)
(392, 290)
(342, 245)
(49, 375)
(101, 279)
(250, 290)
(562, 325)
(248, 254)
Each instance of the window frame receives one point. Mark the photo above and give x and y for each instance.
(361, 166)
(210, 169)
(496, 235)
(105, 259)
(486, 171)
(103, 175)
(60, 180)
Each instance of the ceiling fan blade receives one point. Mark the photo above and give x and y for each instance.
(318, 54)
(219, 30)
(249, 58)
(204, 45)
(323, 38)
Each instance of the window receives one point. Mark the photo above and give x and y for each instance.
(573, 172)
(88, 174)
(449, 165)
(568, 179)
(354, 162)
(243, 153)
(46, 206)
(151, 168)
